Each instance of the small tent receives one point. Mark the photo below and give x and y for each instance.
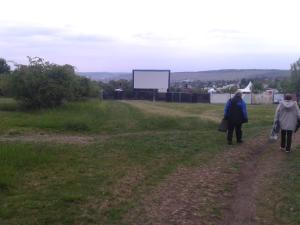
(247, 89)
(211, 90)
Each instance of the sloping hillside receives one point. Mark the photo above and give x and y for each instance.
(227, 74)
(231, 74)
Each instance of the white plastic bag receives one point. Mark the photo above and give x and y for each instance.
(275, 130)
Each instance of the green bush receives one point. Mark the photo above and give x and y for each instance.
(5, 85)
(83, 87)
(4, 67)
(44, 85)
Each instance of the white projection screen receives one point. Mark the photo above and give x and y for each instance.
(151, 79)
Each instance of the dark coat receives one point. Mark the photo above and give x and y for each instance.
(236, 111)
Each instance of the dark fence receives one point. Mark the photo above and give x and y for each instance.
(187, 97)
(147, 95)
(177, 96)
(156, 96)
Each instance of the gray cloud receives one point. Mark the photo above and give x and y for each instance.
(28, 31)
(92, 52)
(154, 37)
(227, 33)
(44, 34)
(88, 38)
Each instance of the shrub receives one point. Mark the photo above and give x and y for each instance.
(42, 84)
(4, 67)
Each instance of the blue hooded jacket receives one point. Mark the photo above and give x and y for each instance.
(236, 111)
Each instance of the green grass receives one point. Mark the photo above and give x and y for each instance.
(97, 184)
(87, 117)
(61, 184)
(260, 116)
(287, 190)
(279, 203)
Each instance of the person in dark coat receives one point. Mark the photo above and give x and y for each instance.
(235, 113)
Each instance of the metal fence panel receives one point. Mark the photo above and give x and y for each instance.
(264, 98)
(219, 98)
(247, 98)
(277, 98)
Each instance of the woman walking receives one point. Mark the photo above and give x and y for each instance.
(287, 113)
(235, 113)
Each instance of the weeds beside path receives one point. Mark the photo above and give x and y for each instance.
(154, 108)
(62, 138)
(224, 192)
(134, 163)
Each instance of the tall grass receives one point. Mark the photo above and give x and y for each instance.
(88, 117)
(21, 158)
(96, 184)
(67, 184)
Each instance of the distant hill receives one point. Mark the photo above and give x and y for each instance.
(210, 75)
(227, 74)
(106, 76)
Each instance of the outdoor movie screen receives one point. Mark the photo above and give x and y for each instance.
(151, 79)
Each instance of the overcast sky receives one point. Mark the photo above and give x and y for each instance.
(181, 35)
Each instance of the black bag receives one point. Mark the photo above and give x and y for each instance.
(223, 127)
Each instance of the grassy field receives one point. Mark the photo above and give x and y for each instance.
(97, 183)
(282, 195)
(289, 210)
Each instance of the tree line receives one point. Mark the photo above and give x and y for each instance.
(41, 84)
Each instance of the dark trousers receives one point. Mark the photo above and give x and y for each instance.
(286, 139)
(238, 132)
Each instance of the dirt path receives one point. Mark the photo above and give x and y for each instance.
(254, 178)
(60, 138)
(242, 208)
(48, 138)
(222, 192)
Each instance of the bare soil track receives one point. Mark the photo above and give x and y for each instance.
(223, 192)
(47, 137)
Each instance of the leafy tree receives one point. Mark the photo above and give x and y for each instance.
(4, 67)
(6, 86)
(257, 86)
(244, 82)
(83, 88)
(109, 88)
(286, 85)
(295, 76)
(94, 89)
(275, 84)
(42, 84)
(232, 89)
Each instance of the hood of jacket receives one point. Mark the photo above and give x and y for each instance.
(287, 104)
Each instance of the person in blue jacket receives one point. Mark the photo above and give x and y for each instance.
(235, 113)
